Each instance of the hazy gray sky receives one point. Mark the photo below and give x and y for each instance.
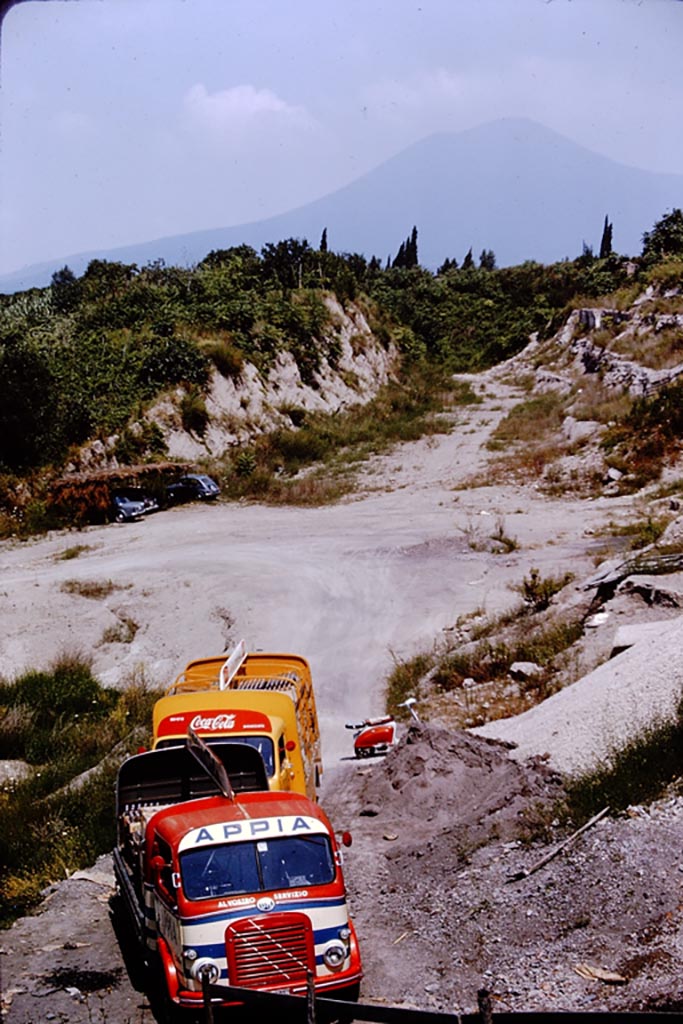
(127, 120)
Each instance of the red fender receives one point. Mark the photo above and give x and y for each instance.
(169, 969)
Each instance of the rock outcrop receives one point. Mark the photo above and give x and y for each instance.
(258, 401)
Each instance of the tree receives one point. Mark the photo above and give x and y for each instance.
(284, 262)
(29, 407)
(665, 239)
(411, 249)
(487, 260)
(448, 264)
(468, 262)
(400, 257)
(104, 279)
(406, 256)
(323, 241)
(66, 291)
(237, 268)
(606, 240)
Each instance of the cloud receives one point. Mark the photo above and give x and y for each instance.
(239, 111)
(255, 153)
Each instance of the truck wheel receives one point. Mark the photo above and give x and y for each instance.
(133, 956)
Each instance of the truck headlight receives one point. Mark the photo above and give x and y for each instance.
(334, 955)
(205, 965)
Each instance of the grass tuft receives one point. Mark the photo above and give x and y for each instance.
(122, 632)
(466, 679)
(530, 420)
(96, 590)
(404, 681)
(538, 591)
(74, 551)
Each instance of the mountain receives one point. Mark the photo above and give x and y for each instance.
(513, 186)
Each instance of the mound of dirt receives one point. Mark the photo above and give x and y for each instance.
(442, 789)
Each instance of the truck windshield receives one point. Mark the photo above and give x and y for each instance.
(286, 863)
(263, 744)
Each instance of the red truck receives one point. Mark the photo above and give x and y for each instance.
(231, 881)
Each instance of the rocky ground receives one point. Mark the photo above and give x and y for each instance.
(447, 819)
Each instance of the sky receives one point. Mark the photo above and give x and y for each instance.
(122, 121)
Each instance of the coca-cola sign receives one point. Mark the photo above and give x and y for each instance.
(216, 723)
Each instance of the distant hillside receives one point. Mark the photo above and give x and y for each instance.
(512, 186)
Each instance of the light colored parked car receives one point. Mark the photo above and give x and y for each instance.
(125, 509)
(132, 503)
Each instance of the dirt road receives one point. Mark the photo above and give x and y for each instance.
(349, 586)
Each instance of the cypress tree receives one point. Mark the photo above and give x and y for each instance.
(400, 258)
(411, 249)
(606, 241)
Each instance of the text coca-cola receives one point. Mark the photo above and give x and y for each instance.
(217, 723)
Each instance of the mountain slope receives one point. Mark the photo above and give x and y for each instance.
(511, 185)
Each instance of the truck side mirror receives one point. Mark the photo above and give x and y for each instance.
(157, 863)
(346, 838)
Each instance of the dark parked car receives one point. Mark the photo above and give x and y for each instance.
(192, 486)
(132, 504)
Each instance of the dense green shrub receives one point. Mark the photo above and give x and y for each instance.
(62, 721)
(648, 436)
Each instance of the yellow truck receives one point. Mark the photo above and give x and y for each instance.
(265, 700)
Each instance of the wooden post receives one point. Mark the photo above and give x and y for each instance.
(484, 1004)
(310, 998)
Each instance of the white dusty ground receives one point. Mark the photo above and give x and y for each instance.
(580, 725)
(349, 586)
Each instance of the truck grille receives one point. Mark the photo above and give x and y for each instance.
(276, 949)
